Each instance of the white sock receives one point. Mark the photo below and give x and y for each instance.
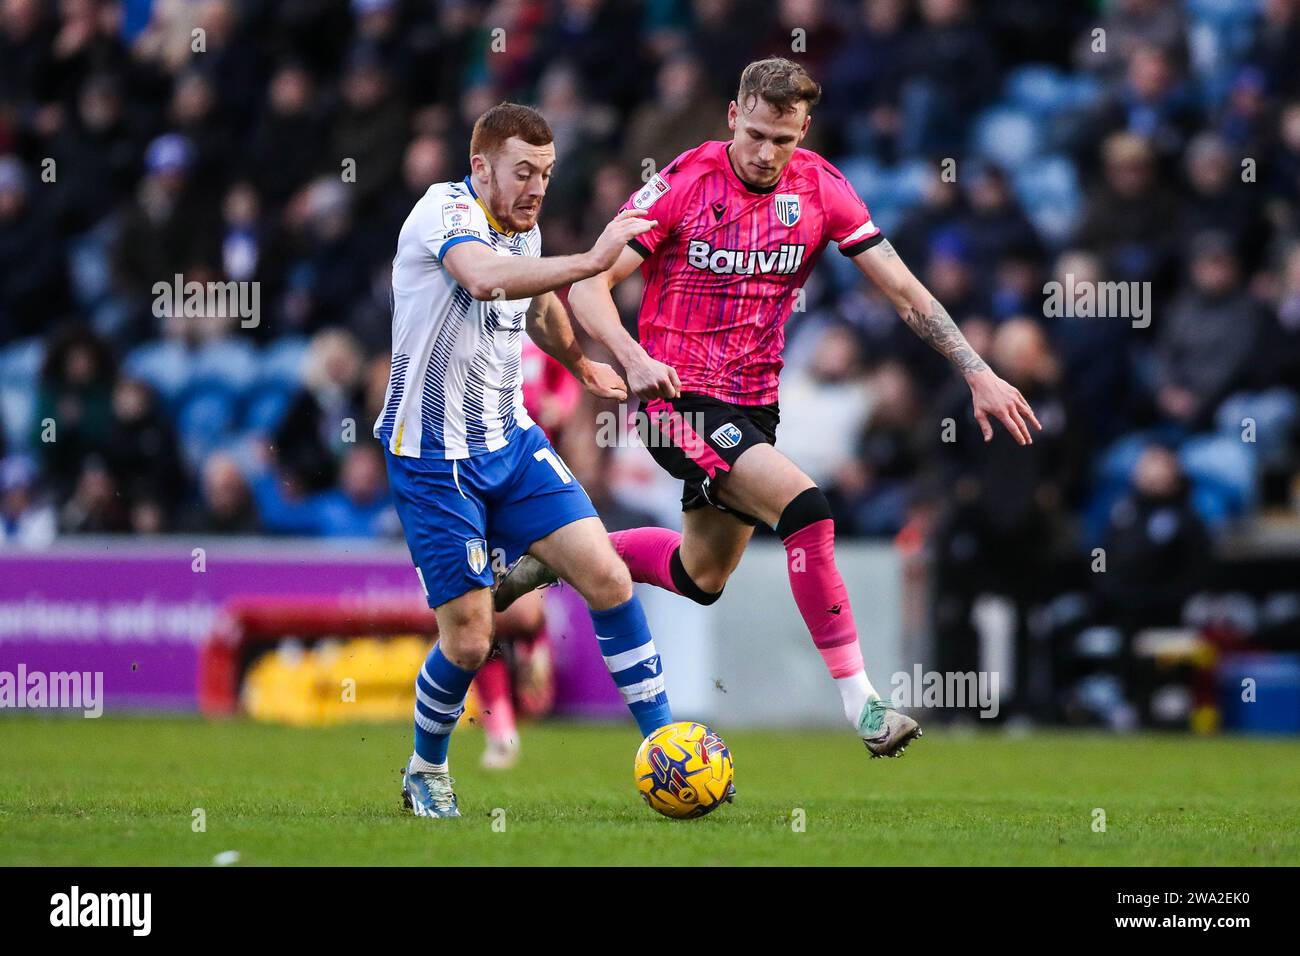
(420, 765)
(855, 691)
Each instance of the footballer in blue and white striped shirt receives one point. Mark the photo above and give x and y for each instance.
(475, 482)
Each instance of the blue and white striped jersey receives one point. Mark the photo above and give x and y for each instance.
(455, 386)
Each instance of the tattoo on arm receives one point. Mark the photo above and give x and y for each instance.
(938, 330)
(887, 250)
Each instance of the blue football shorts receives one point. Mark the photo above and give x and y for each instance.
(464, 517)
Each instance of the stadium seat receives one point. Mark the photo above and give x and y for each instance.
(283, 362)
(17, 408)
(1230, 610)
(909, 180)
(264, 407)
(20, 372)
(1228, 17)
(1039, 89)
(166, 365)
(1223, 10)
(90, 264)
(20, 363)
(1118, 461)
(206, 422)
(1083, 91)
(865, 173)
(230, 362)
(1099, 642)
(1101, 696)
(1221, 470)
(1223, 475)
(1274, 414)
(1275, 708)
(1281, 610)
(1048, 187)
(1006, 136)
(889, 191)
(1219, 36)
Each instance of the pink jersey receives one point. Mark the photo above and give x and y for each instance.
(724, 266)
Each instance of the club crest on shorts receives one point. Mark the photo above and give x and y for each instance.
(787, 208)
(476, 554)
(726, 436)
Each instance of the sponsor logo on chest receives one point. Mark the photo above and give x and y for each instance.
(785, 259)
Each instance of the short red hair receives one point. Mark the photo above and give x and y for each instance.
(505, 120)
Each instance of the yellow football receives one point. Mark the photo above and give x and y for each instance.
(684, 770)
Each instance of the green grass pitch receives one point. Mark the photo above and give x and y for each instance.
(120, 791)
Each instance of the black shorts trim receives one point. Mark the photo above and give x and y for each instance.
(697, 439)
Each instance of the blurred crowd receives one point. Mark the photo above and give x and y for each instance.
(1001, 146)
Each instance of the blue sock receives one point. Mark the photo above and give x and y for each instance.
(440, 690)
(633, 662)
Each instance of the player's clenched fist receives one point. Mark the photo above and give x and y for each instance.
(602, 381)
(627, 225)
(650, 378)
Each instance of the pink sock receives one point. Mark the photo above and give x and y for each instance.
(822, 598)
(648, 553)
(493, 684)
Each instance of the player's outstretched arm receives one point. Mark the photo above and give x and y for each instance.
(486, 275)
(592, 302)
(928, 319)
(549, 327)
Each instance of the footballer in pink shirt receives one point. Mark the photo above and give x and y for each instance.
(739, 226)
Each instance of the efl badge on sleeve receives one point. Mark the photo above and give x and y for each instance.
(650, 194)
(455, 215)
